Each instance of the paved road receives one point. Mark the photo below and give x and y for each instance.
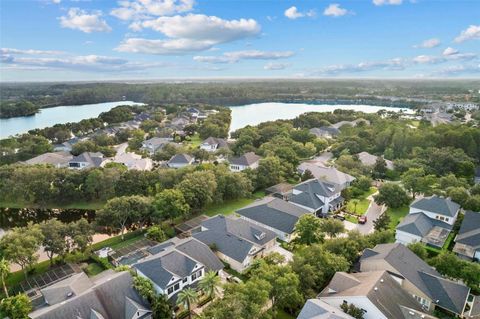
(373, 212)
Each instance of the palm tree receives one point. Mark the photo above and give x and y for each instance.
(209, 284)
(186, 297)
(4, 271)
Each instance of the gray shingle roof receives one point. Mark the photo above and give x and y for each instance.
(66, 288)
(326, 174)
(317, 309)
(324, 130)
(246, 159)
(200, 252)
(378, 286)
(436, 204)
(469, 233)
(220, 142)
(316, 187)
(450, 295)
(274, 212)
(420, 224)
(180, 159)
(93, 159)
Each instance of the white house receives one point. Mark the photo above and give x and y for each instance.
(436, 207)
(317, 197)
(213, 144)
(155, 144)
(180, 160)
(87, 160)
(247, 160)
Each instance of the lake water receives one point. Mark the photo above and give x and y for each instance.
(55, 115)
(254, 114)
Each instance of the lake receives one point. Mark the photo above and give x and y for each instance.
(55, 115)
(254, 114)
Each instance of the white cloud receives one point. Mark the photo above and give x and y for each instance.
(387, 2)
(193, 32)
(56, 1)
(427, 59)
(448, 54)
(458, 70)
(78, 19)
(235, 56)
(393, 64)
(276, 66)
(472, 32)
(449, 51)
(334, 10)
(428, 44)
(142, 9)
(293, 13)
(29, 51)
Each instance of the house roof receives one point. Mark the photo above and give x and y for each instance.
(233, 237)
(107, 298)
(368, 159)
(246, 159)
(200, 252)
(180, 159)
(449, 294)
(327, 174)
(220, 142)
(54, 158)
(378, 286)
(309, 193)
(92, 158)
(420, 224)
(317, 309)
(323, 130)
(274, 212)
(469, 233)
(281, 188)
(158, 141)
(66, 288)
(437, 204)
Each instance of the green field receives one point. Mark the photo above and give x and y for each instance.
(230, 206)
(194, 141)
(396, 215)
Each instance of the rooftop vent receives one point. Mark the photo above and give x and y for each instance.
(375, 288)
(70, 294)
(381, 280)
(260, 236)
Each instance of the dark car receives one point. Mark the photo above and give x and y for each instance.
(339, 217)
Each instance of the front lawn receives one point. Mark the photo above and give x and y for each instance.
(396, 215)
(230, 206)
(362, 206)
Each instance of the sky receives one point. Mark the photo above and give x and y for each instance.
(91, 40)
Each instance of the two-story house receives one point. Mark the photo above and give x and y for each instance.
(317, 197)
(430, 220)
(236, 241)
(87, 160)
(247, 160)
(329, 174)
(213, 144)
(467, 242)
(155, 144)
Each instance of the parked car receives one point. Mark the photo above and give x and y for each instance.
(362, 219)
(339, 217)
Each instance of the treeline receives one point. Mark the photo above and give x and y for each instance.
(21, 108)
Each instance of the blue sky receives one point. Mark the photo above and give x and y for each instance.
(68, 40)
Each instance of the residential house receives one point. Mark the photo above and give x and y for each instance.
(108, 296)
(421, 281)
(67, 145)
(56, 159)
(177, 266)
(376, 292)
(87, 160)
(317, 197)
(178, 123)
(329, 174)
(235, 241)
(325, 131)
(368, 159)
(353, 123)
(430, 220)
(134, 161)
(247, 160)
(282, 190)
(194, 112)
(213, 144)
(274, 214)
(155, 144)
(317, 309)
(467, 242)
(180, 160)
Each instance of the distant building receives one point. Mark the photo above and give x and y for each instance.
(236, 241)
(87, 160)
(353, 123)
(247, 160)
(111, 296)
(376, 292)
(430, 220)
(213, 144)
(368, 159)
(56, 159)
(467, 242)
(325, 131)
(180, 160)
(155, 144)
(134, 161)
(422, 281)
(274, 214)
(317, 197)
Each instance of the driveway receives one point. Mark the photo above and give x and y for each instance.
(373, 212)
(282, 251)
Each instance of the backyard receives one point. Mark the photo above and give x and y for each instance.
(230, 206)
(396, 215)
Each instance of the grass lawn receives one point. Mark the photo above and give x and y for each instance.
(117, 242)
(194, 142)
(16, 277)
(94, 269)
(351, 219)
(396, 215)
(75, 205)
(230, 206)
(281, 314)
(361, 208)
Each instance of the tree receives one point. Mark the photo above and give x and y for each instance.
(418, 249)
(308, 230)
(4, 272)
(161, 307)
(382, 222)
(156, 233)
(392, 195)
(269, 172)
(81, 234)
(416, 181)
(187, 297)
(144, 287)
(170, 204)
(307, 174)
(380, 168)
(16, 307)
(21, 245)
(54, 242)
(355, 203)
(198, 188)
(209, 284)
(352, 310)
(201, 155)
(331, 227)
